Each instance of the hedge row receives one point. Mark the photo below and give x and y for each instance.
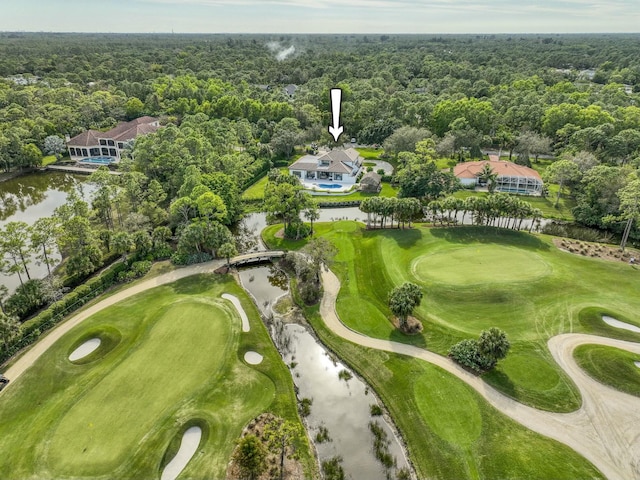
(33, 328)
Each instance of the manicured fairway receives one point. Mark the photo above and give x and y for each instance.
(611, 366)
(172, 358)
(534, 292)
(475, 278)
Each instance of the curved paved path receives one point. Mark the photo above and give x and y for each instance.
(31, 355)
(605, 430)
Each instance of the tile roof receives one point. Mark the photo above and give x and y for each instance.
(85, 139)
(502, 169)
(122, 132)
(338, 162)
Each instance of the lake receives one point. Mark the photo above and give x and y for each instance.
(36, 195)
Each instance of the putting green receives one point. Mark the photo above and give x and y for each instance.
(184, 348)
(171, 357)
(480, 264)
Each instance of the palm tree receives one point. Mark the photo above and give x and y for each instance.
(311, 213)
(493, 344)
(488, 176)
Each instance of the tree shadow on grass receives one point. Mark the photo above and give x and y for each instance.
(501, 382)
(480, 234)
(405, 238)
(417, 340)
(591, 320)
(197, 284)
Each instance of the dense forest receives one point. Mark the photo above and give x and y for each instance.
(234, 106)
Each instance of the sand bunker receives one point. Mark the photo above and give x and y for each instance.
(618, 324)
(188, 446)
(85, 349)
(236, 303)
(253, 358)
(637, 364)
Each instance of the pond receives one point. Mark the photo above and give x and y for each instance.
(340, 410)
(36, 195)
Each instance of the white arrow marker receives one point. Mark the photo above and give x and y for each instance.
(336, 103)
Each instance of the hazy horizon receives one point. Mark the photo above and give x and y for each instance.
(322, 16)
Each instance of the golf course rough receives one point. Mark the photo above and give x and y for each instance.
(177, 360)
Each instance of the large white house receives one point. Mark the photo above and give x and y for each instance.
(93, 143)
(337, 166)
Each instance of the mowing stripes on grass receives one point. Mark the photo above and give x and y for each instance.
(170, 360)
(480, 264)
(183, 350)
(610, 366)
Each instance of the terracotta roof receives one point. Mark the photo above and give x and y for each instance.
(85, 139)
(122, 132)
(130, 130)
(502, 169)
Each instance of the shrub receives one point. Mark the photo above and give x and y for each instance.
(305, 406)
(297, 230)
(375, 410)
(466, 353)
(140, 269)
(332, 470)
(190, 259)
(323, 435)
(27, 298)
(309, 292)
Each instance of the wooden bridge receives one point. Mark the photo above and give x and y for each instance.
(256, 257)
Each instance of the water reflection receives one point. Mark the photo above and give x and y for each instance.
(30, 197)
(36, 195)
(340, 410)
(265, 284)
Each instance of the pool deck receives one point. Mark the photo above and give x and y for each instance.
(315, 187)
(77, 169)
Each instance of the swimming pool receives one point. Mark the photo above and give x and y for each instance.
(333, 185)
(98, 160)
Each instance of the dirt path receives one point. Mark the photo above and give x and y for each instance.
(605, 430)
(31, 355)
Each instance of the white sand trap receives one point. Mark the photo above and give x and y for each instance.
(618, 324)
(85, 349)
(236, 303)
(253, 358)
(188, 446)
(637, 364)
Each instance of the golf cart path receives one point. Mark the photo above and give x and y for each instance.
(605, 430)
(31, 355)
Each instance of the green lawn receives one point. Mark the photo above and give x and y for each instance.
(546, 204)
(522, 288)
(370, 153)
(171, 357)
(611, 366)
(475, 278)
(387, 191)
(256, 191)
(449, 430)
(48, 160)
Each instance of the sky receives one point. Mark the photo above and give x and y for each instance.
(321, 16)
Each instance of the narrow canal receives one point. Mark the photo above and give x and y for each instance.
(341, 405)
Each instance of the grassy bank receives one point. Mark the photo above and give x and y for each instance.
(171, 355)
